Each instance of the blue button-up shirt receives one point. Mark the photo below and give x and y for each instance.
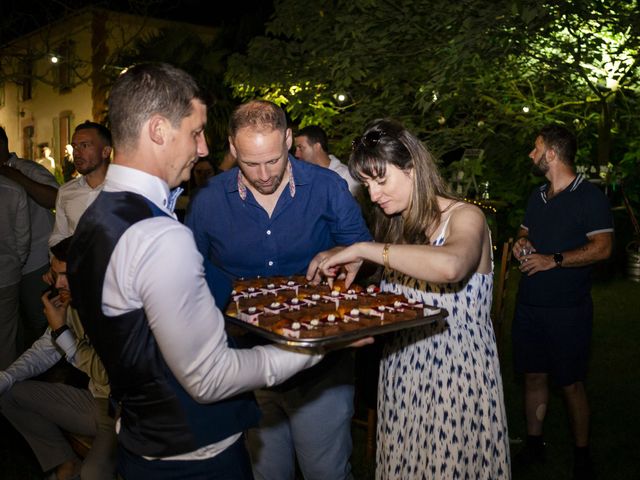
(315, 213)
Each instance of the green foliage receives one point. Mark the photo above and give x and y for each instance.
(627, 175)
(466, 74)
(205, 60)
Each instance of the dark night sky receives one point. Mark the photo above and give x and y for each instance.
(21, 16)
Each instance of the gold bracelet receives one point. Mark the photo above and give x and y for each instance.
(385, 255)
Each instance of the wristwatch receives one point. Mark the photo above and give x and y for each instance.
(58, 331)
(558, 258)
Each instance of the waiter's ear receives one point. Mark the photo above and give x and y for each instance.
(156, 128)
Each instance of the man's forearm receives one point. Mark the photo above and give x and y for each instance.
(41, 356)
(597, 249)
(43, 195)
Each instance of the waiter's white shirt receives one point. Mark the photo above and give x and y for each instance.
(156, 266)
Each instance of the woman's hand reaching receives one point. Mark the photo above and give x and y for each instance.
(347, 260)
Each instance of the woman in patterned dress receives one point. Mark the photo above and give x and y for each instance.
(441, 410)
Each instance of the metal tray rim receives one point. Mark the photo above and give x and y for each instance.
(441, 313)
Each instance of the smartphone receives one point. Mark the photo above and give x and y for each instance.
(51, 292)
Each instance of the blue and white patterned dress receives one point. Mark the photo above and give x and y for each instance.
(441, 411)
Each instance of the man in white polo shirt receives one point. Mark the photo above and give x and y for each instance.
(91, 144)
(312, 146)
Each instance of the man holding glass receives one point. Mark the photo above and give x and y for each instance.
(567, 228)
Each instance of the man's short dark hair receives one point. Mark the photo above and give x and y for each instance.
(3, 136)
(561, 140)
(315, 134)
(103, 132)
(61, 249)
(147, 89)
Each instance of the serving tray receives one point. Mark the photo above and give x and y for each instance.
(432, 315)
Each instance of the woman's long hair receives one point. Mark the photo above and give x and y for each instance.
(387, 142)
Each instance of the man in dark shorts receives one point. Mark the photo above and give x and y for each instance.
(567, 228)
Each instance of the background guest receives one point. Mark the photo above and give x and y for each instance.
(42, 188)
(203, 170)
(41, 410)
(228, 161)
(15, 239)
(68, 168)
(91, 154)
(567, 228)
(312, 145)
(45, 159)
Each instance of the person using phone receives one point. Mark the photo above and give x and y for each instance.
(40, 411)
(52, 292)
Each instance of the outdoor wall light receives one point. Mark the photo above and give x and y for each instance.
(525, 109)
(54, 59)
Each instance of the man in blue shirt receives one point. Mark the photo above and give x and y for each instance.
(275, 215)
(566, 229)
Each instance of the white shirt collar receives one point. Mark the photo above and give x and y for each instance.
(120, 178)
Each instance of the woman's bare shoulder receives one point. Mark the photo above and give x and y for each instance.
(460, 209)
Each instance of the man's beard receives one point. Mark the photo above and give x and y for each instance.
(541, 168)
(277, 180)
(268, 189)
(87, 168)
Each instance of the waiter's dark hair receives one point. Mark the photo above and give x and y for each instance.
(147, 89)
